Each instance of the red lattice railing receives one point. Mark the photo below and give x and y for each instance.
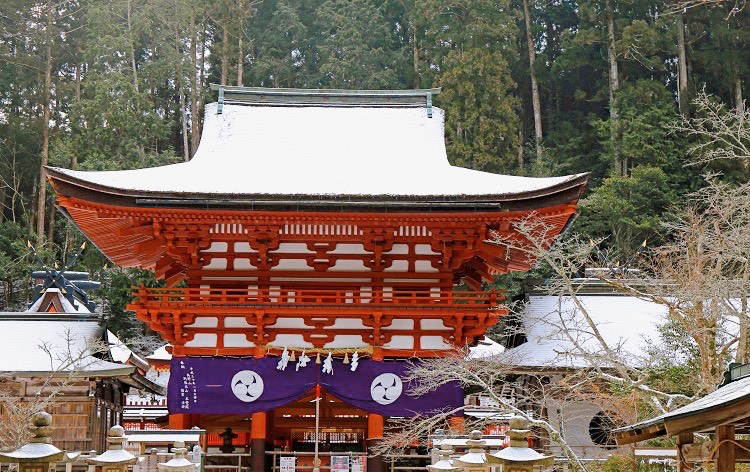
(204, 297)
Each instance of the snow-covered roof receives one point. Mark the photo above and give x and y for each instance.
(271, 151)
(486, 347)
(66, 305)
(168, 436)
(161, 354)
(627, 324)
(122, 353)
(50, 343)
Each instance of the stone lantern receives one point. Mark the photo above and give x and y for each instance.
(475, 460)
(39, 455)
(115, 458)
(179, 463)
(519, 457)
(445, 464)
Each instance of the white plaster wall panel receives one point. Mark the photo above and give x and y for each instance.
(202, 340)
(243, 263)
(224, 278)
(349, 323)
(237, 322)
(217, 263)
(237, 340)
(229, 228)
(432, 324)
(425, 250)
(398, 266)
(217, 246)
(572, 420)
(395, 280)
(327, 279)
(400, 324)
(347, 265)
(347, 248)
(400, 342)
(290, 323)
(290, 340)
(424, 266)
(294, 248)
(293, 264)
(434, 342)
(413, 231)
(343, 341)
(243, 246)
(398, 249)
(204, 322)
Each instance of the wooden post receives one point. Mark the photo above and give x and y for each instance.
(725, 453)
(375, 427)
(683, 439)
(258, 442)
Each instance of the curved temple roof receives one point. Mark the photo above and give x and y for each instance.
(318, 152)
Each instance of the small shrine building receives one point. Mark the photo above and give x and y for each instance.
(312, 226)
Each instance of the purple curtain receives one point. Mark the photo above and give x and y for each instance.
(219, 385)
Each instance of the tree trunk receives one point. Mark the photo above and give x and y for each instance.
(239, 55)
(183, 109)
(180, 85)
(415, 52)
(224, 56)
(44, 157)
(739, 103)
(51, 224)
(534, 87)
(614, 85)
(519, 157)
(194, 132)
(74, 156)
(201, 78)
(682, 76)
(131, 40)
(743, 348)
(3, 193)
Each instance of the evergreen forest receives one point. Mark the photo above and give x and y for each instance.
(530, 87)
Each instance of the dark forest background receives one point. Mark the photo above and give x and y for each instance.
(530, 87)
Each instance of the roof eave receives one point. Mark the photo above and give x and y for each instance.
(563, 192)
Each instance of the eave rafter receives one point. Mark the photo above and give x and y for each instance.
(172, 242)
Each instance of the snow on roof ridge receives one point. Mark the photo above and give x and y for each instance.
(339, 151)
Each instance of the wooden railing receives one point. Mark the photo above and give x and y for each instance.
(204, 297)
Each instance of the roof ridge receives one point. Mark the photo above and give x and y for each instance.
(337, 98)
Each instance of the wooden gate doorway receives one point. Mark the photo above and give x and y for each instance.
(343, 428)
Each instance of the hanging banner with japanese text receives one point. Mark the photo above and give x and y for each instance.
(217, 385)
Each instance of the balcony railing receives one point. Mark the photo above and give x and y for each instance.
(204, 297)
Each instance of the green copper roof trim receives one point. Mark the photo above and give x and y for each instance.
(325, 97)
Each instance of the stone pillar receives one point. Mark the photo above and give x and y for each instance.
(258, 426)
(39, 455)
(375, 426)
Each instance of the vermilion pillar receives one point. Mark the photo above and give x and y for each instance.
(375, 426)
(457, 424)
(180, 421)
(258, 427)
